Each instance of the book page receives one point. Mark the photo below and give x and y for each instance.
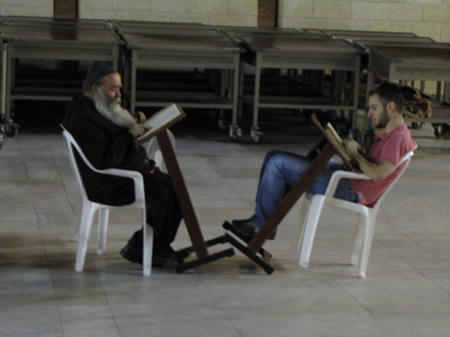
(336, 142)
(160, 120)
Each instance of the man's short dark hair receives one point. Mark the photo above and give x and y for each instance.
(389, 92)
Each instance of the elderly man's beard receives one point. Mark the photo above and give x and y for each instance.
(111, 109)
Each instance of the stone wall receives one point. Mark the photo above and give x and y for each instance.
(216, 12)
(424, 17)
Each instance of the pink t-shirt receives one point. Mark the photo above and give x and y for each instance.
(390, 146)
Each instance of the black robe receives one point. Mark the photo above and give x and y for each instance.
(107, 145)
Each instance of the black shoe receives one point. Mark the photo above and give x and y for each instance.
(168, 255)
(247, 228)
(131, 254)
(159, 257)
(176, 255)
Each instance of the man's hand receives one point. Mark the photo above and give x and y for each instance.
(137, 129)
(352, 146)
(140, 117)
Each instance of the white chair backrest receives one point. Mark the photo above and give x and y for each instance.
(405, 160)
(71, 144)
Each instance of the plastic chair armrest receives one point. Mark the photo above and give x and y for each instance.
(338, 175)
(137, 179)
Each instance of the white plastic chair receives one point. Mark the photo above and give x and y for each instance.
(310, 211)
(89, 209)
(154, 152)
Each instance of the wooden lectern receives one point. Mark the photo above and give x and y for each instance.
(157, 126)
(199, 245)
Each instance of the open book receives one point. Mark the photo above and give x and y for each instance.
(161, 120)
(336, 142)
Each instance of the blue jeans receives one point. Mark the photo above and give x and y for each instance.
(281, 170)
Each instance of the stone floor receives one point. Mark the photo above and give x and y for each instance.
(406, 292)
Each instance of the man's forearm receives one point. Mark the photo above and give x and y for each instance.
(376, 171)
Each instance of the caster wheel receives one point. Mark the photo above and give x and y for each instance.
(257, 136)
(258, 139)
(235, 133)
(10, 130)
(222, 125)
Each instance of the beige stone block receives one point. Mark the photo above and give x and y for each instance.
(401, 12)
(206, 6)
(216, 6)
(296, 8)
(332, 9)
(123, 15)
(445, 32)
(28, 11)
(252, 20)
(436, 13)
(176, 6)
(131, 5)
(227, 20)
(350, 24)
(38, 3)
(149, 16)
(369, 11)
(189, 18)
(286, 22)
(97, 4)
(195, 7)
(425, 2)
(385, 1)
(387, 26)
(432, 30)
(13, 3)
(242, 7)
(303, 23)
(97, 14)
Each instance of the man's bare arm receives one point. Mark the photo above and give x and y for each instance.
(376, 171)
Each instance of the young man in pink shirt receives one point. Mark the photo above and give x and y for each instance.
(281, 169)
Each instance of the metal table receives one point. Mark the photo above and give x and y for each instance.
(51, 39)
(305, 52)
(357, 34)
(185, 49)
(423, 62)
(235, 31)
(362, 39)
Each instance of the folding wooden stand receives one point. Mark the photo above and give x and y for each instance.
(254, 245)
(199, 245)
(321, 154)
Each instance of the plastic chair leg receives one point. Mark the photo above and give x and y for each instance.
(367, 245)
(148, 246)
(148, 249)
(304, 205)
(103, 219)
(358, 239)
(312, 221)
(87, 217)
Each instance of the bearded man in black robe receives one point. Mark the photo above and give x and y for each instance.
(107, 133)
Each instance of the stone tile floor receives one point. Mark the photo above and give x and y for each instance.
(406, 293)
